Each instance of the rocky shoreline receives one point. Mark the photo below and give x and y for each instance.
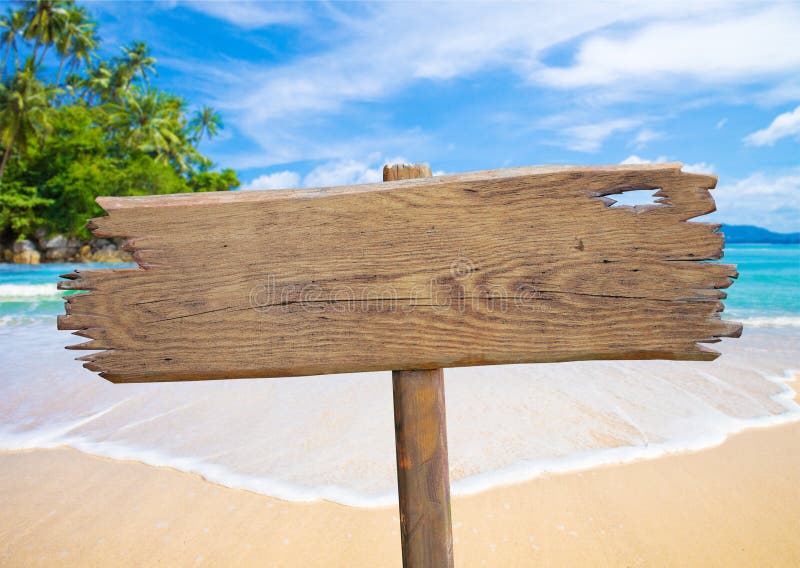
(58, 248)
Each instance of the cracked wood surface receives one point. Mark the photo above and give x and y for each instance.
(504, 266)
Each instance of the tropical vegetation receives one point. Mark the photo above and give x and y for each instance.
(75, 125)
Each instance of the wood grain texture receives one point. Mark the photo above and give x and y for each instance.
(394, 172)
(423, 478)
(504, 266)
(420, 431)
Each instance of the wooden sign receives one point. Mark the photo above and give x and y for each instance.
(518, 265)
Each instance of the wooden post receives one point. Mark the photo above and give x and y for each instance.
(420, 431)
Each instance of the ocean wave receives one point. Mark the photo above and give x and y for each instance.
(27, 319)
(769, 321)
(517, 472)
(28, 291)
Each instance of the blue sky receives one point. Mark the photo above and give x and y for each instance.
(325, 93)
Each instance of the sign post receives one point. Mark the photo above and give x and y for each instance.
(412, 275)
(420, 430)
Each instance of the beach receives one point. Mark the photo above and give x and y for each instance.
(365, 284)
(609, 463)
(733, 505)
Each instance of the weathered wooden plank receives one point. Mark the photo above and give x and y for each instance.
(505, 266)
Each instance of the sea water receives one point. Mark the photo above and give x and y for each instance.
(332, 437)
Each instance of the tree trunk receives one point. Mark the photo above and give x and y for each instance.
(6, 155)
(5, 60)
(35, 49)
(41, 59)
(60, 70)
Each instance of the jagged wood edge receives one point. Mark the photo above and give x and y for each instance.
(88, 326)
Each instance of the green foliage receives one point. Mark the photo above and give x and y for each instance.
(23, 112)
(20, 210)
(93, 128)
(213, 181)
(205, 122)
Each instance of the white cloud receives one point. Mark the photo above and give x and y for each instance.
(249, 14)
(343, 172)
(278, 180)
(363, 56)
(786, 91)
(771, 201)
(332, 173)
(698, 168)
(645, 136)
(722, 46)
(379, 50)
(722, 122)
(589, 137)
(786, 124)
(634, 159)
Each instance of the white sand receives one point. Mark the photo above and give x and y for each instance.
(734, 505)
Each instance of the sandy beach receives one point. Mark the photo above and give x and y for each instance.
(737, 504)
(601, 463)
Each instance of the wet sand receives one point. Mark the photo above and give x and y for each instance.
(737, 504)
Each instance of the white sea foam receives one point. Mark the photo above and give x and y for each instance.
(332, 438)
(28, 291)
(772, 321)
(20, 319)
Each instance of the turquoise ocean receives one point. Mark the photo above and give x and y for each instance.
(308, 438)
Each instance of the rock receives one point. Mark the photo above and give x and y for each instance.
(57, 242)
(8, 255)
(24, 252)
(73, 248)
(26, 256)
(85, 253)
(55, 249)
(98, 244)
(110, 253)
(40, 235)
(60, 248)
(21, 246)
(55, 255)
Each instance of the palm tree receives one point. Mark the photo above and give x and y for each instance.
(23, 111)
(73, 82)
(137, 60)
(84, 45)
(151, 122)
(98, 82)
(77, 41)
(12, 23)
(46, 22)
(205, 121)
